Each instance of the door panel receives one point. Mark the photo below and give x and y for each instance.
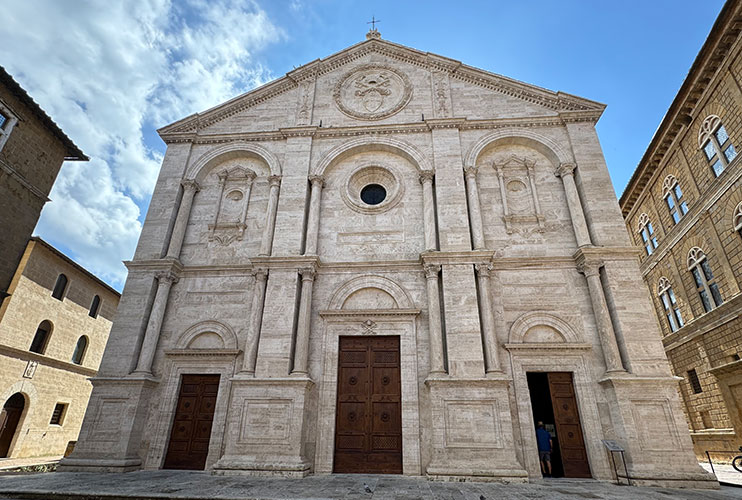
(194, 416)
(568, 428)
(368, 428)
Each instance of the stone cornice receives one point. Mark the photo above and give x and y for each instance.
(548, 346)
(588, 253)
(463, 257)
(420, 127)
(728, 311)
(155, 265)
(558, 101)
(202, 353)
(47, 361)
(339, 313)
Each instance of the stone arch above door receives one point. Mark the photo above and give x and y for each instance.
(400, 297)
(208, 334)
(542, 327)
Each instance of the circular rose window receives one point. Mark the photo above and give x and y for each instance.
(372, 189)
(373, 194)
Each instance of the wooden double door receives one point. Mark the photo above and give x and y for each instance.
(567, 423)
(368, 425)
(194, 415)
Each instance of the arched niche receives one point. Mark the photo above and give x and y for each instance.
(201, 167)
(210, 334)
(348, 294)
(373, 143)
(522, 137)
(542, 327)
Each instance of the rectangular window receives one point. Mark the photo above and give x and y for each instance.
(694, 382)
(709, 150)
(3, 120)
(60, 409)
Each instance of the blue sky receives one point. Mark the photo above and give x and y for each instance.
(111, 73)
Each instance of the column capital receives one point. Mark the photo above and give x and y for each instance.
(427, 176)
(566, 169)
(260, 273)
(431, 271)
(274, 180)
(590, 267)
(471, 172)
(190, 185)
(317, 180)
(168, 277)
(484, 269)
(308, 273)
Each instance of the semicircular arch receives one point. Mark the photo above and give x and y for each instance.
(525, 322)
(26, 388)
(200, 167)
(406, 150)
(399, 294)
(523, 137)
(208, 327)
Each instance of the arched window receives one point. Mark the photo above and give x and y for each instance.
(737, 219)
(80, 348)
(94, 306)
(716, 145)
(60, 287)
(41, 339)
(673, 196)
(672, 310)
(647, 233)
(706, 285)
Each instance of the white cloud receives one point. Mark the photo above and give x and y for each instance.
(109, 71)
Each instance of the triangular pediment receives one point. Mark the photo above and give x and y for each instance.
(553, 102)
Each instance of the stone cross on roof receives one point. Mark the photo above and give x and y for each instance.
(373, 32)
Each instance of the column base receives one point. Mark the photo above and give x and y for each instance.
(475, 441)
(112, 429)
(265, 424)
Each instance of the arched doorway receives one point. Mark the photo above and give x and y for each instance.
(10, 416)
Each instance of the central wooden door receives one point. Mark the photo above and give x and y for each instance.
(368, 426)
(10, 415)
(194, 414)
(568, 427)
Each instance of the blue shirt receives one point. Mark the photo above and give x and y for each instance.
(543, 438)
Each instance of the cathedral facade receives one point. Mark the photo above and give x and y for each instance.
(386, 262)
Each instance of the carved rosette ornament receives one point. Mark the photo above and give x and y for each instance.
(372, 92)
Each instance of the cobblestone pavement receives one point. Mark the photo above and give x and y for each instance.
(201, 485)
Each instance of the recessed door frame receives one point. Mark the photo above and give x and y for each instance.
(559, 358)
(388, 322)
(212, 363)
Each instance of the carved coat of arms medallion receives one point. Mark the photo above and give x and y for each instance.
(372, 92)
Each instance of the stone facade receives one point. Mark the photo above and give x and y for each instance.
(707, 226)
(496, 250)
(54, 374)
(32, 149)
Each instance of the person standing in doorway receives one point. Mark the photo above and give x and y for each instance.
(543, 439)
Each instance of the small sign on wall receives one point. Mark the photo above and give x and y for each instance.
(30, 369)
